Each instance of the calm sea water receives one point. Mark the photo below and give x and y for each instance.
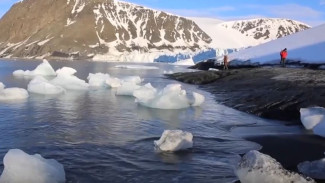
(100, 137)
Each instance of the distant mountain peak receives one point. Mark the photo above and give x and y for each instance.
(86, 28)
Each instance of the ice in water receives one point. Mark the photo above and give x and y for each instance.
(40, 85)
(314, 169)
(98, 79)
(314, 119)
(20, 167)
(66, 79)
(255, 167)
(174, 140)
(171, 97)
(44, 69)
(310, 117)
(10, 94)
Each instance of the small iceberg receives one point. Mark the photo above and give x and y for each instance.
(174, 140)
(42, 86)
(314, 169)
(116, 82)
(255, 167)
(98, 79)
(127, 88)
(44, 69)
(313, 118)
(310, 117)
(11, 94)
(171, 97)
(66, 79)
(20, 167)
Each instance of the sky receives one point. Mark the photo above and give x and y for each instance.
(311, 12)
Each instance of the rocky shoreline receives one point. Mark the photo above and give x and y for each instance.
(270, 92)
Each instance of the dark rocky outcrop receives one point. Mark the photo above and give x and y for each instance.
(270, 92)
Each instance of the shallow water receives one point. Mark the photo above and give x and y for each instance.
(100, 137)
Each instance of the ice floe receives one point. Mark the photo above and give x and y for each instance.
(113, 82)
(171, 97)
(127, 88)
(174, 140)
(44, 69)
(10, 94)
(255, 167)
(310, 117)
(98, 79)
(313, 118)
(314, 169)
(20, 167)
(66, 79)
(40, 85)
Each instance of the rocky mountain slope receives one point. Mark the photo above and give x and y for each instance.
(93, 29)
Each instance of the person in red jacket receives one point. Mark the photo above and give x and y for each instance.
(283, 55)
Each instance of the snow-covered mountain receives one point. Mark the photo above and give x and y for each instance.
(306, 46)
(108, 30)
(247, 33)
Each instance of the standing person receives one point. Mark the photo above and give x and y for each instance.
(225, 62)
(283, 55)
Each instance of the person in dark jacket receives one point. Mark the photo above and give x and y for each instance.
(283, 55)
(225, 62)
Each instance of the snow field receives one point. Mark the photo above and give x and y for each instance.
(305, 46)
(20, 167)
(174, 140)
(255, 167)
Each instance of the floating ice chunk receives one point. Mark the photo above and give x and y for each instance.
(66, 79)
(44, 69)
(256, 167)
(145, 93)
(198, 99)
(42, 86)
(127, 88)
(98, 79)
(113, 82)
(310, 117)
(66, 71)
(2, 86)
(319, 129)
(136, 67)
(314, 169)
(10, 94)
(20, 167)
(171, 97)
(132, 79)
(169, 72)
(174, 140)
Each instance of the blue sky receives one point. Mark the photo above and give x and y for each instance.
(308, 11)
